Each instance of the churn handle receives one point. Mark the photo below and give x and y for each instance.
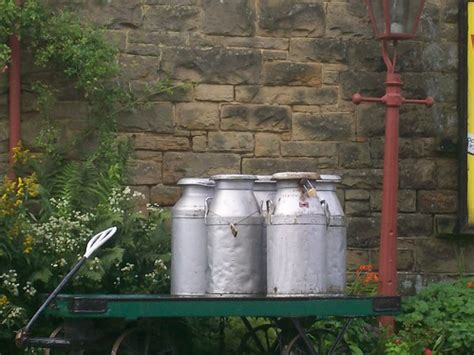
(327, 213)
(207, 202)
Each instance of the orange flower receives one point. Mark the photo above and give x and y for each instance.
(367, 267)
(470, 284)
(371, 277)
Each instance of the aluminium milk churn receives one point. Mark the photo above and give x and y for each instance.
(235, 240)
(264, 190)
(296, 237)
(337, 233)
(189, 238)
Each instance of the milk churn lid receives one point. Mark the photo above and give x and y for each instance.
(296, 176)
(330, 178)
(234, 177)
(196, 181)
(264, 179)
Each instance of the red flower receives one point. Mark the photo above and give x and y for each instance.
(428, 351)
(367, 267)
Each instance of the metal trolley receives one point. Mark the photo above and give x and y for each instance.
(289, 329)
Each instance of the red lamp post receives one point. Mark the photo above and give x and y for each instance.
(392, 20)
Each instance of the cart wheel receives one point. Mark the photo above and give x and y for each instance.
(322, 340)
(141, 341)
(59, 331)
(263, 339)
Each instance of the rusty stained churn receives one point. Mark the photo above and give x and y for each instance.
(336, 234)
(235, 240)
(296, 237)
(189, 238)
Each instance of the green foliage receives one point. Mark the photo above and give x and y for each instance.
(441, 315)
(65, 193)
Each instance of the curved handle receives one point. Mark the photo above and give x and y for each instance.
(207, 203)
(327, 213)
(98, 240)
(270, 211)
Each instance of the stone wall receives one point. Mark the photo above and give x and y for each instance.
(266, 87)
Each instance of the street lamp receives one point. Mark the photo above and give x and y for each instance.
(392, 21)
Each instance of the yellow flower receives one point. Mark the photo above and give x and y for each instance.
(3, 300)
(20, 155)
(28, 244)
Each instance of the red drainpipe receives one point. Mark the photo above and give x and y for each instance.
(14, 95)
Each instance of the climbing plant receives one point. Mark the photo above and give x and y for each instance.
(63, 194)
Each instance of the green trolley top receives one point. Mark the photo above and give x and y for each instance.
(156, 306)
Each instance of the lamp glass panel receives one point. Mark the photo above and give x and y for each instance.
(378, 13)
(403, 15)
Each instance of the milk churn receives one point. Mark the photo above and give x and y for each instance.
(189, 238)
(337, 230)
(235, 240)
(296, 237)
(264, 190)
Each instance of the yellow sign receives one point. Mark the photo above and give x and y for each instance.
(470, 114)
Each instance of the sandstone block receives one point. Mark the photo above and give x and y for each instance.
(330, 77)
(320, 50)
(270, 118)
(199, 143)
(213, 65)
(288, 73)
(231, 141)
(368, 84)
(357, 195)
(144, 172)
(287, 18)
(415, 225)
(197, 115)
(269, 166)
(406, 200)
(257, 42)
(271, 55)
(153, 90)
(114, 14)
(361, 178)
(165, 195)
(171, 2)
(147, 155)
(157, 39)
(136, 67)
(364, 55)
(408, 148)
(154, 117)
(293, 95)
(235, 18)
(309, 149)
(437, 201)
(357, 208)
(206, 92)
(370, 120)
(447, 173)
(267, 145)
(159, 142)
(116, 38)
(347, 20)
(417, 174)
(363, 232)
(187, 164)
(171, 18)
(354, 155)
(441, 86)
(327, 126)
(438, 255)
